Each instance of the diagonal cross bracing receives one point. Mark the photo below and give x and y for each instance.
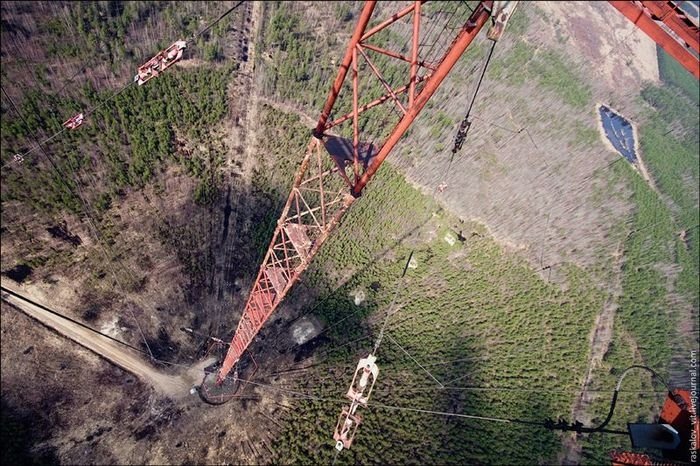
(319, 196)
(303, 226)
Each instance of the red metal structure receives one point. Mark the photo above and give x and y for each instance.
(678, 414)
(336, 169)
(74, 121)
(162, 61)
(317, 200)
(656, 19)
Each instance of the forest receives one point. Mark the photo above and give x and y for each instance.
(141, 122)
(469, 312)
(646, 321)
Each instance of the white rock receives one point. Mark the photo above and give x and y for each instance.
(359, 297)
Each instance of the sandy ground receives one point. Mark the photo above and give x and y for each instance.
(602, 35)
(122, 356)
(94, 412)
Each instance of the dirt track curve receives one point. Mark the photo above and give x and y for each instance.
(173, 386)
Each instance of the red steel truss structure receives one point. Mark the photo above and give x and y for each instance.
(320, 196)
(669, 26)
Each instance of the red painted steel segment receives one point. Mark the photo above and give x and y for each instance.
(344, 66)
(636, 13)
(465, 37)
(355, 117)
(379, 76)
(396, 55)
(374, 103)
(294, 242)
(414, 54)
(676, 20)
(301, 230)
(259, 295)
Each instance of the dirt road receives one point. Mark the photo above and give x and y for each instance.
(122, 356)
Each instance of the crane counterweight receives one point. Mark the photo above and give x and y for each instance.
(159, 63)
(358, 393)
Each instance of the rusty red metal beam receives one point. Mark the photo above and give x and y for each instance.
(355, 116)
(301, 230)
(344, 66)
(465, 37)
(379, 76)
(373, 103)
(414, 55)
(396, 55)
(319, 196)
(677, 20)
(640, 13)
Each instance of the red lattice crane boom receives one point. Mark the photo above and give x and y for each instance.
(317, 201)
(335, 170)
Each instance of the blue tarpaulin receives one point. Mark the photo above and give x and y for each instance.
(619, 132)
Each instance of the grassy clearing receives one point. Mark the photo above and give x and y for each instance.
(639, 405)
(522, 64)
(669, 142)
(662, 237)
(644, 307)
(673, 73)
(675, 167)
(470, 302)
